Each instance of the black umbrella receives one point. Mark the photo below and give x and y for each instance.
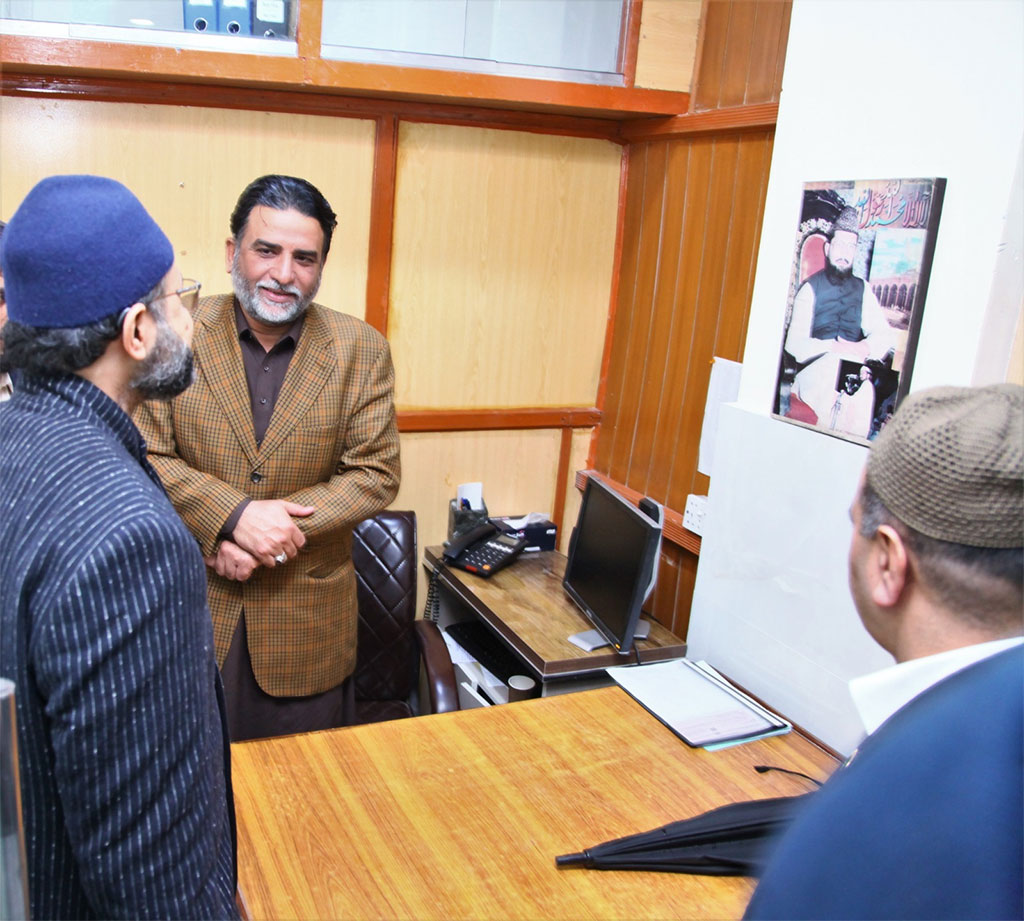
(734, 840)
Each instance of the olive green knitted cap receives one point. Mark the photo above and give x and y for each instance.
(950, 464)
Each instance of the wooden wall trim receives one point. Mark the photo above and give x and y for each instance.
(716, 121)
(463, 420)
(673, 529)
(149, 92)
(562, 477)
(382, 220)
(630, 42)
(308, 28)
(121, 60)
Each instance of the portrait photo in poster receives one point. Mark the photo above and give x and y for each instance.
(856, 296)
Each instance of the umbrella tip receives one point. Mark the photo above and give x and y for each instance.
(573, 860)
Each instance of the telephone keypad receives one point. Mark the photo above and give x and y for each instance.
(488, 558)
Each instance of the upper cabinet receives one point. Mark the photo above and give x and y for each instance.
(599, 58)
(574, 40)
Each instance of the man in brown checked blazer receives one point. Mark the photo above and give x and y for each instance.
(284, 443)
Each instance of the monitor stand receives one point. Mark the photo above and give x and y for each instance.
(589, 640)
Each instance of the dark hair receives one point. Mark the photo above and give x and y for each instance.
(982, 584)
(51, 350)
(282, 193)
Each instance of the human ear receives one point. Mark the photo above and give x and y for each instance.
(229, 253)
(134, 337)
(891, 567)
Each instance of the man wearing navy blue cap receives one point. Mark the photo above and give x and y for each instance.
(927, 819)
(122, 745)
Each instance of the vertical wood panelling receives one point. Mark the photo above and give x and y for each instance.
(619, 329)
(693, 215)
(736, 66)
(767, 54)
(709, 306)
(652, 372)
(693, 210)
(676, 577)
(714, 35)
(642, 314)
(740, 61)
(694, 163)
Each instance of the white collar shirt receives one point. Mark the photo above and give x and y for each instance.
(879, 695)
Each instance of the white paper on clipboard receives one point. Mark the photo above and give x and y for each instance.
(696, 703)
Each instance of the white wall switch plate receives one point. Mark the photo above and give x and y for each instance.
(694, 513)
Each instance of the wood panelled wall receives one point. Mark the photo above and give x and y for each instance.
(741, 57)
(671, 261)
(693, 214)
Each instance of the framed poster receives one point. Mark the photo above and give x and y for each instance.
(856, 295)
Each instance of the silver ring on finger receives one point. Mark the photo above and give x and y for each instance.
(281, 558)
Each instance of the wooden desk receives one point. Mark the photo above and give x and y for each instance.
(461, 815)
(526, 605)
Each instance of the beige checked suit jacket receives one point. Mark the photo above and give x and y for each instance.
(332, 443)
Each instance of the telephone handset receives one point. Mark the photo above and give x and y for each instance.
(482, 551)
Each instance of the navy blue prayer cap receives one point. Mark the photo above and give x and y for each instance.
(78, 249)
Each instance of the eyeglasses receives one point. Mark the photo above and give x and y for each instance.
(189, 294)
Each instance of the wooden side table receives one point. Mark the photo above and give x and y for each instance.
(526, 606)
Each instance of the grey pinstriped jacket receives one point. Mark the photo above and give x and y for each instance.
(122, 746)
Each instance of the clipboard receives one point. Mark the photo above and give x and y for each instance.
(697, 703)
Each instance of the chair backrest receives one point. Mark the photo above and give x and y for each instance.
(384, 557)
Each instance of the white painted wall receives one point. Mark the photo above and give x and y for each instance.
(870, 90)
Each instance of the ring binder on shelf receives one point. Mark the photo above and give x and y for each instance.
(270, 18)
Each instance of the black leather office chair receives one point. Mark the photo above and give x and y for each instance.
(392, 642)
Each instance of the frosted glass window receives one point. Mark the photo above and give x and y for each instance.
(543, 38)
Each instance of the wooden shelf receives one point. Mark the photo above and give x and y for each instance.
(61, 57)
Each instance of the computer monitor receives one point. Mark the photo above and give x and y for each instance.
(613, 562)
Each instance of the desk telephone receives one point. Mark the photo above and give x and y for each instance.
(483, 551)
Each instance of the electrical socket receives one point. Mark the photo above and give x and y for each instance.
(694, 514)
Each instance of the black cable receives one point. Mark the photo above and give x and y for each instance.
(432, 608)
(764, 768)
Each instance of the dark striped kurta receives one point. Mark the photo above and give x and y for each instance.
(106, 633)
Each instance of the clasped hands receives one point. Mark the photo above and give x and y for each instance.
(265, 535)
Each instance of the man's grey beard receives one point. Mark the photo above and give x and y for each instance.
(248, 296)
(169, 369)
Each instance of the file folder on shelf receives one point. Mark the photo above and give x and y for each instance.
(234, 17)
(270, 18)
(200, 15)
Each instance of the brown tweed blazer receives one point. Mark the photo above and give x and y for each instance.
(332, 442)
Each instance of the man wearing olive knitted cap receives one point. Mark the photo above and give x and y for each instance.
(926, 820)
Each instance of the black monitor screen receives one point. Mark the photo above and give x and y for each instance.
(611, 563)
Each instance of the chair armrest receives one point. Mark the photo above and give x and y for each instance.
(437, 663)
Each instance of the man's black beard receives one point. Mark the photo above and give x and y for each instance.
(168, 370)
(836, 275)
